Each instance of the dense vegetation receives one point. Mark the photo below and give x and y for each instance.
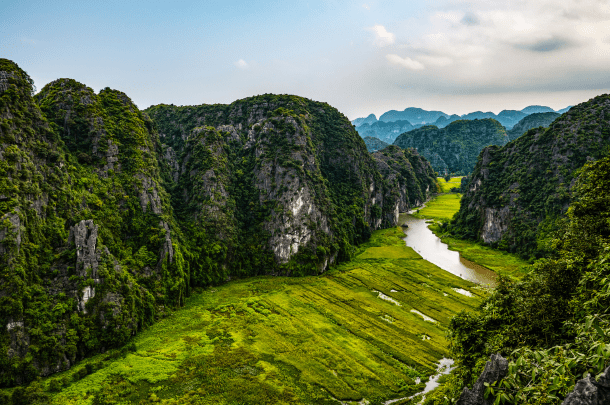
(554, 324)
(532, 121)
(454, 148)
(374, 144)
(350, 335)
(517, 192)
(107, 224)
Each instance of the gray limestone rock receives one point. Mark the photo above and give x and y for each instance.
(588, 391)
(495, 369)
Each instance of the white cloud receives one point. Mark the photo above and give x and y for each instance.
(241, 64)
(404, 62)
(382, 36)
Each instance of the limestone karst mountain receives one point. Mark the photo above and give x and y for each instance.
(516, 187)
(110, 216)
(454, 148)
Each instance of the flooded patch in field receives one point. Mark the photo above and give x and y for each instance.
(463, 292)
(386, 298)
(426, 317)
(444, 367)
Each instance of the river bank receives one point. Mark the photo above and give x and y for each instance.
(441, 209)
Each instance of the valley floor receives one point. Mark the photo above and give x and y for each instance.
(357, 332)
(442, 208)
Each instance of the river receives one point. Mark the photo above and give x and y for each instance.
(430, 247)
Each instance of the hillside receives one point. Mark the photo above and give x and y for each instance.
(385, 131)
(517, 190)
(532, 121)
(455, 147)
(552, 326)
(374, 144)
(108, 223)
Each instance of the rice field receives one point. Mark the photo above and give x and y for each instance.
(372, 329)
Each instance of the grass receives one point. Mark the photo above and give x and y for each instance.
(277, 340)
(447, 186)
(442, 208)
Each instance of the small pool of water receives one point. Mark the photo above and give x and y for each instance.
(430, 247)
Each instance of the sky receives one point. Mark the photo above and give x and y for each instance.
(361, 57)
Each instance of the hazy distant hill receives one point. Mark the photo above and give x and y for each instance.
(443, 121)
(368, 120)
(413, 115)
(385, 131)
(508, 118)
(374, 144)
(536, 109)
(532, 121)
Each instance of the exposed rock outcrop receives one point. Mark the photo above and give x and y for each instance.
(589, 391)
(495, 370)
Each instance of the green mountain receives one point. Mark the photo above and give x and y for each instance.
(110, 216)
(454, 148)
(532, 121)
(374, 144)
(517, 190)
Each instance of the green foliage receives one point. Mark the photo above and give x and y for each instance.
(195, 203)
(532, 177)
(454, 148)
(554, 323)
(290, 340)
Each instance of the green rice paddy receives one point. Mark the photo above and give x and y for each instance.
(447, 186)
(348, 335)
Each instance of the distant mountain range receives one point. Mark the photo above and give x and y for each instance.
(393, 123)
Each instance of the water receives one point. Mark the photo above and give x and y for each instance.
(444, 367)
(430, 247)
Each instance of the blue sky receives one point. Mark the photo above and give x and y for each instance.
(359, 56)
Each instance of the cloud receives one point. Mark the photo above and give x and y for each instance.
(439, 61)
(546, 45)
(241, 64)
(382, 36)
(470, 19)
(407, 62)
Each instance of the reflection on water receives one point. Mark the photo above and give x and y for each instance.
(430, 247)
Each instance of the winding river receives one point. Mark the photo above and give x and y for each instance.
(430, 247)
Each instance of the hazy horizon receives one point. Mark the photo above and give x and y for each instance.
(360, 57)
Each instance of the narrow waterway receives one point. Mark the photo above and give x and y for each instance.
(430, 247)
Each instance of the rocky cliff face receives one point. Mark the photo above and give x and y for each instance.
(454, 148)
(86, 244)
(280, 169)
(105, 222)
(517, 187)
